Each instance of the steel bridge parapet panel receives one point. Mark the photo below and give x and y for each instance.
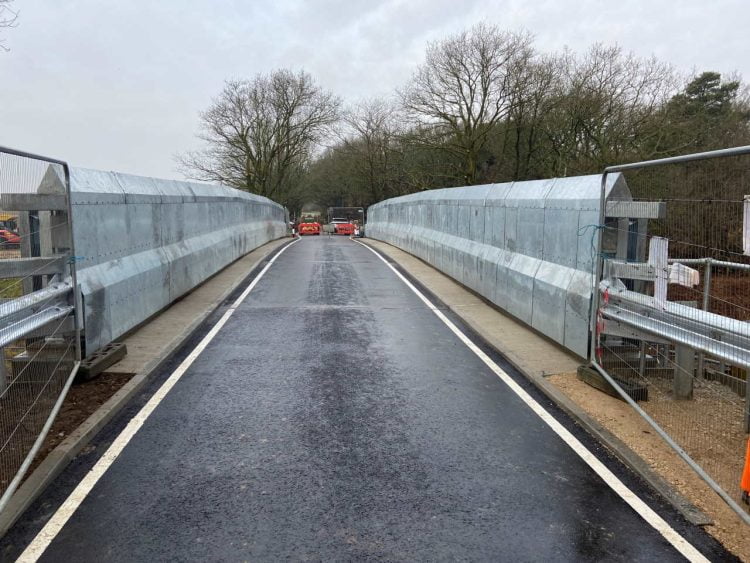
(525, 246)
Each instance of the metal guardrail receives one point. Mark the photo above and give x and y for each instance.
(672, 308)
(25, 315)
(39, 328)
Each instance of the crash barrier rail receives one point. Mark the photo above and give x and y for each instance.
(528, 247)
(672, 311)
(39, 329)
(143, 242)
(140, 243)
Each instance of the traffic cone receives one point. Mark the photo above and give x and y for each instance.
(745, 483)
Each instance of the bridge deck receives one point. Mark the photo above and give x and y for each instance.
(335, 416)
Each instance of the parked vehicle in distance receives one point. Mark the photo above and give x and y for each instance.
(342, 227)
(309, 225)
(348, 221)
(309, 229)
(9, 239)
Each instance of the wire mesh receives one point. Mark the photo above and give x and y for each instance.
(38, 338)
(674, 308)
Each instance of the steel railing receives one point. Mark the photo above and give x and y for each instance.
(40, 348)
(672, 304)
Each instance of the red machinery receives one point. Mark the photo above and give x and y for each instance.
(9, 239)
(309, 225)
(309, 229)
(342, 227)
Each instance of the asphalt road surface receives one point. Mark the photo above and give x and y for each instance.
(335, 417)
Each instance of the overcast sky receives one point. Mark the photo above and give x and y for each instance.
(118, 85)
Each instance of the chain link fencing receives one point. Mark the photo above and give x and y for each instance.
(39, 336)
(672, 311)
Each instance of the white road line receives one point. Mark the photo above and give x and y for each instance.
(657, 522)
(42, 540)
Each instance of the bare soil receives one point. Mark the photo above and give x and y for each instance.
(730, 294)
(709, 427)
(617, 417)
(82, 401)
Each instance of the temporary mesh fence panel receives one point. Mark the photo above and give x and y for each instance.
(38, 336)
(672, 325)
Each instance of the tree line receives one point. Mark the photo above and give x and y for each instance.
(485, 106)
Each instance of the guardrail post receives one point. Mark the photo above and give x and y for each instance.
(706, 306)
(707, 285)
(3, 372)
(683, 372)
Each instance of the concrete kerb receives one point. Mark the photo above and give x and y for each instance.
(632, 460)
(57, 460)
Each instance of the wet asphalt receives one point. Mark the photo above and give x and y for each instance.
(335, 417)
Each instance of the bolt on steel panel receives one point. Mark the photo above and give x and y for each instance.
(577, 311)
(550, 289)
(530, 232)
(520, 274)
(526, 246)
(561, 236)
(143, 242)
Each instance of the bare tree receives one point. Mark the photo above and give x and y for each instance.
(8, 18)
(260, 133)
(467, 85)
(373, 128)
(611, 108)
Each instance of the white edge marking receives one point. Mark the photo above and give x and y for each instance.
(685, 548)
(66, 510)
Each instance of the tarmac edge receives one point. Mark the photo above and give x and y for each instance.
(624, 453)
(59, 458)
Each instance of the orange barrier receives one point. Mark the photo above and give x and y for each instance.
(745, 483)
(309, 229)
(343, 229)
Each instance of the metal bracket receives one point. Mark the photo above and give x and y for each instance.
(629, 270)
(637, 209)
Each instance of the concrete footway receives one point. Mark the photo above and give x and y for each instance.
(336, 417)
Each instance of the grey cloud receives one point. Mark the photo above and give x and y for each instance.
(118, 85)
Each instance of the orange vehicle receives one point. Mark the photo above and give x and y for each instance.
(9, 231)
(309, 224)
(9, 239)
(309, 229)
(342, 227)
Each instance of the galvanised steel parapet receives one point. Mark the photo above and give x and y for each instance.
(143, 242)
(526, 246)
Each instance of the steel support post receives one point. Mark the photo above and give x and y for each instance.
(682, 386)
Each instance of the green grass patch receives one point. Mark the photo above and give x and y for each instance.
(10, 288)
